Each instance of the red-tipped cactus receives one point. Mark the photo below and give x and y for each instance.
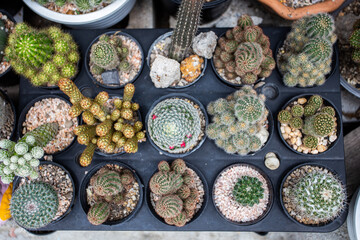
(98, 213)
(107, 183)
(169, 206)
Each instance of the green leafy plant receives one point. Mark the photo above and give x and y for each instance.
(248, 191)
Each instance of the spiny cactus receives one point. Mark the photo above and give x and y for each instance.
(42, 56)
(244, 52)
(188, 20)
(174, 125)
(297, 110)
(107, 183)
(104, 128)
(320, 124)
(34, 205)
(98, 213)
(164, 166)
(248, 191)
(316, 101)
(179, 166)
(163, 183)
(169, 206)
(307, 51)
(354, 41)
(310, 141)
(3, 38)
(239, 122)
(22, 158)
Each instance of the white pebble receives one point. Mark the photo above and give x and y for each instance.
(332, 138)
(272, 163)
(282, 129)
(315, 151)
(288, 130)
(298, 141)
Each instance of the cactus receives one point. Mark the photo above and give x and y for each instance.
(249, 56)
(296, 122)
(184, 192)
(107, 183)
(169, 206)
(320, 124)
(127, 178)
(178, 166)
(104, 55)
(39, 55)
(248, 191)
(188, 19)
(174, 125)
(316, 101)
(355, 44)
(98, 213)
(284, 116)
(34, 205)
(43, 134)
(249, 108)
(164, 166)
(297, 110)
(310, 141)
(329, 110)
(163, 183)
(3, 38)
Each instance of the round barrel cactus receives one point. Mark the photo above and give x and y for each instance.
(104, 55)
(107, 183)
(169, 206)
(163, 183)
(98, 213)
(249, 108)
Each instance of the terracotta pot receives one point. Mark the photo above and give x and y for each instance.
(293, 14)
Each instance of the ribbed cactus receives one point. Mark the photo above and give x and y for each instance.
(163, 183)
(104, 55)
(249, 108)
(87, 155)
(22, 158)
(320, 124)
(164, 166)
(249, 56)
(34, 205)
(354, 41)
(174, 125)
(127, 178)
(42, 56)
(179, 166)
(107, 183)
(188, 20)
(3, 38)
(98, 213)
(169, 206)
(248, 191)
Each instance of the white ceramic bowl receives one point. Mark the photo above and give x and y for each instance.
(102, 18)
(353, 219)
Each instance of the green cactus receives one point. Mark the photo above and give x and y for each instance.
(169, 206)
(83, 5)
(320, 124)
(43, 134)
(297, 110)
(318, 50)
(316, 101)
(249, 108)
(163, 183)
(127, 178)
(310, 141)
(296, 122)
(309, 110)
(178, 166)
(174, 125)
(98, 213)
(184, 192)
(188, 20)
(104, 55)
(244, 21)
(249, 56)
(354, 41)
(60, 3)
(34, 205)
(329, 110)
(107, 183)
(3, 38)
(248, 191)
(164, 166)
(320, 25)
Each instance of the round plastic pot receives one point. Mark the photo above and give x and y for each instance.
(85, 182)
(351, 89)
(7, 99)
(271, 195)
(326, 103)
(182, 96)
(162, 37)
(198, 213)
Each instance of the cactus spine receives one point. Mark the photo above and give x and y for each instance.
(3, 38)
(107, 183)
(98, 213)
(188, 20)
(248, 191)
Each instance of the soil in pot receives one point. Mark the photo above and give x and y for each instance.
(243, 54)
(299, 3)
(6, 27)
(309, 125)
(313, 195)
(7, 121)
(114, 190)
(186, 191)
(115, 59)
(240, 122)
(242, 194)
(176, 125)
(305, 58)
(49, 110)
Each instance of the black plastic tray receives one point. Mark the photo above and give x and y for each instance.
(209, 158)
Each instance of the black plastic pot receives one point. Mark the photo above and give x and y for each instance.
(271, 195)
(12, 7)
(344, 212)
(7, 99)
(182, 96)
(9, 77)
(210, 11)
(16, 185)
(326, 103)
(87, 60)
(162, 37)
(350, 88)
(24, 112)
(85, 182)
(198, 213)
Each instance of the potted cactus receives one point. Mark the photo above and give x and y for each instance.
(176, 125)
(309, 124)
(305, 58)
(313, 195)
(243, 54)
(177, 193)
(240, 122)
(22, 158)
(242, 194)
(112, 127)
(111, 194)
(8, 117)
(172, 58)
(114, 59)
(42, 56)
(82, 13)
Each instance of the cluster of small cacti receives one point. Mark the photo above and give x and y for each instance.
(3, 38)
(176, 191)
(82, 5)
(318, 196)
(188, 20)
(306, 55)
(244, 52)
(174, 125)
(248, 191)
(34, 205)
(109, 186)
(107, 54)
(355, 41)
(239, 122)
(313, 118)
(42, 56)
(109, 131)
(22, 158)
